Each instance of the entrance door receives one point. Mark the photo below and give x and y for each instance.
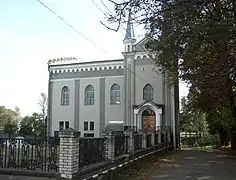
(148, 121)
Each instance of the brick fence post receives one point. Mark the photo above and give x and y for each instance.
(110, 147)
(69, 153)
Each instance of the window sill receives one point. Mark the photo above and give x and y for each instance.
(115, 103)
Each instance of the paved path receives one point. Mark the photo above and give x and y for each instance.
(197, 165)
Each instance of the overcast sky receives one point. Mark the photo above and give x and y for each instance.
(30, 35)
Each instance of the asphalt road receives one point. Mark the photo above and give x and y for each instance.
(196, 165)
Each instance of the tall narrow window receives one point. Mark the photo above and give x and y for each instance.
(67, 125)
(89, 95)
(85, 126)
(65, 96)
(61, 125)
(115, 94)
(91, 126)
(148, 92)
(128, 48)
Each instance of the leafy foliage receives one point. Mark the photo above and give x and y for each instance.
(32, 125)
(8, 123)
(43, 104)
(191, 120)
(194, 41)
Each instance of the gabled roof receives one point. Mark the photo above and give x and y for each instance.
(151, 102)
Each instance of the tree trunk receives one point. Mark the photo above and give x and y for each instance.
(223, 137)
(233, 140)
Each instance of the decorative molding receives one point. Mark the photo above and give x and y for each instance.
(81, 67)
(84, 78)
(60, 61)
(148, 106)
(144, 56)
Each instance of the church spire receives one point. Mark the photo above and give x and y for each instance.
(129, 41)
(129, 34)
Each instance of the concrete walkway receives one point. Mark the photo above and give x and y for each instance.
(197, 165)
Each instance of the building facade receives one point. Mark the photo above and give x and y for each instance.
(88, 96)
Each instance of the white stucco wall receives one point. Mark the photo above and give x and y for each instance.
(149, 76)
(89, 112)
(62, 113)
(114, 112)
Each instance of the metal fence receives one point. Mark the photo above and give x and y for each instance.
(121, 145)
(156, 137)
(29, 153)
(149, 140)
(91, 150)
(137, 142)
(162, 137)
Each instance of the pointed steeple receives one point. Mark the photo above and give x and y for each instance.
(129, 41)
(129, 34)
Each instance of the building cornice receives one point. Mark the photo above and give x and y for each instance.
(63, 66)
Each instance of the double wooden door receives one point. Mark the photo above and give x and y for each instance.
(148, 121)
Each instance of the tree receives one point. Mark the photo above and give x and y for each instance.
(32, 125)
(8, 124)
(17, 110)
(191, 120)
(26, 126)
(194, 41)
(43, 103)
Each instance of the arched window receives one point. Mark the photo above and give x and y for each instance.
(115, 94)
(148, 92)
(65, 96)
(89, 95)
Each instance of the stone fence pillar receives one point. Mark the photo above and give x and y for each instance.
(69, 153)
(110, 147)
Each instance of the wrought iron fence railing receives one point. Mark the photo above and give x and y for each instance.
(149, 140)
(137, 142)
(121, 145)
(156, 137)
(91, 150)
(29, 153)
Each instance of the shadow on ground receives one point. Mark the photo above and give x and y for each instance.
(182, 165)
(196, 164)
(141, 168)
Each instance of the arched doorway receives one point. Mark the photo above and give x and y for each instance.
(148, 120)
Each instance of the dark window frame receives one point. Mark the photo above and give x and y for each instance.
(61, 125)
(86, 126)
(67, 124)
(91, 126)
